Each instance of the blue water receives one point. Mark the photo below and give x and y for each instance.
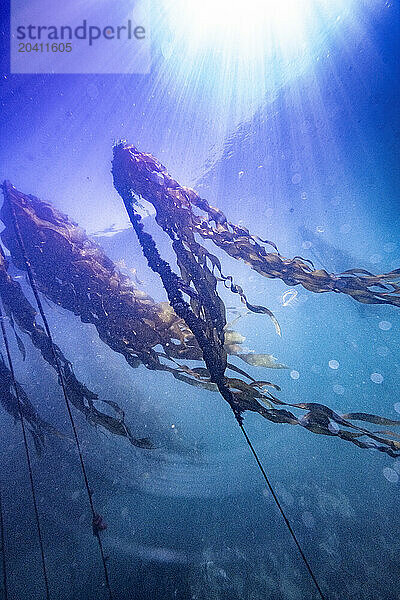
(314, 167)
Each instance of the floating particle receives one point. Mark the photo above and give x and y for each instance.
(287, 497)
(390, 475)
(375, 258)
(376, 377)
(289, 297)
(389, 247)
(306, 245)
(320, 229)
(333, 427)
(76, 495)
(296, 178)
(260, 166)
(303, 196)
(346, 228)
(308, 519)
(333, 364)
(294, 374)
(240, 174)
(396, 407)
(382, 350)
(338, 389)
(385, 325)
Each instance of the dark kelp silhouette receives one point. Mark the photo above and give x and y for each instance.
(144, 176)
(74, 272)
(193, 295)
(37, 426)
(20, 312)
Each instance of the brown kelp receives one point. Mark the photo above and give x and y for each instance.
(146, 177)
(21, 313)
(74, 272)
(194, 297)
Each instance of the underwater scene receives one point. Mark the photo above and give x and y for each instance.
(200, 306)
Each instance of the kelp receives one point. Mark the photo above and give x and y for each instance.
(38, 427)
(146, 177)
(194, 297)
(20, 312)
(74, 272)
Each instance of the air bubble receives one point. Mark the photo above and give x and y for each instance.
(376, 377)
(296, 178)
(294, 374)
(333, 364)
(389, 247)
(390, 475)
(396, 466)
(308, 519)
(306, 245)
(385, 325)
(396, 407)
(382, 350)
(287, 497)
(303, 196)
(333, 427)
(338, 389)
(375, 258)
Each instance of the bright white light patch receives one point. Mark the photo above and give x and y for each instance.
(219, 21)
(254, 26)
(245, 49)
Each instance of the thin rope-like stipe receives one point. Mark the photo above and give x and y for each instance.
(3, 548)
(276, 499)
(96, 518)
(28, 458)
